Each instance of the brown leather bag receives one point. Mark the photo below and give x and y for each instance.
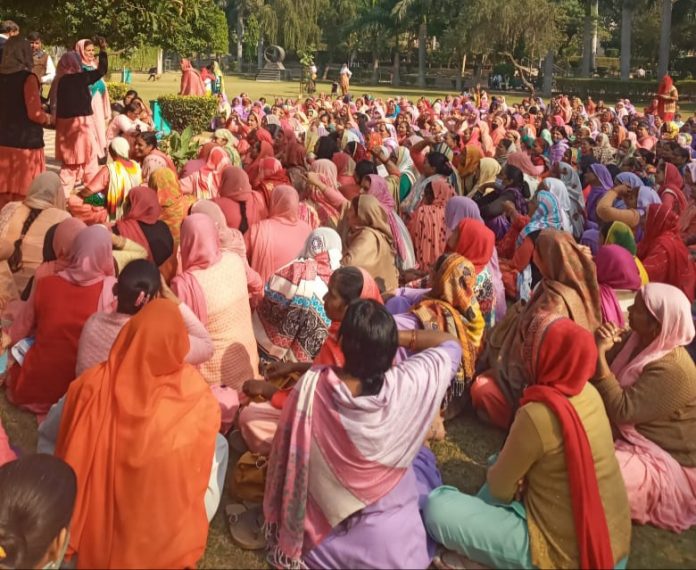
(248, 477)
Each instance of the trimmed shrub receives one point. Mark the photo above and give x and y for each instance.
(117, 91)
(183, 111)
(612, 89)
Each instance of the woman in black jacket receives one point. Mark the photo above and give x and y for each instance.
(71, 104)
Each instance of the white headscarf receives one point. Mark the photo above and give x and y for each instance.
(324, 240)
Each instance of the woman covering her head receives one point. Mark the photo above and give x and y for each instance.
(670, 184)
(23, 226)
(572, 511)
(636, 197)
(290, 324)
(71, 103)
(266, 252)
(427, 227)
(474, 241)
(103, 197)
(451, 306)
(436, 166)
(271, 174)
(225, 139)
(242, 207)
(487, 172)
(568, 288)
(204, 184)
(22, 314)
(620, 234)
(174, 204)
(377, 187)
(663, 253)
(63, 302)
(648, 383)
(370, 243)
(191, 81)
(619, 279)
(101, 106)
(21, 121)
(169, 437)
(323, 193)
(37, 499)
(142, 225)
(212, 284)
(599, 178)
(232, 241)
(372, 458)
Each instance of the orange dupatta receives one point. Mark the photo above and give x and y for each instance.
(139, 430)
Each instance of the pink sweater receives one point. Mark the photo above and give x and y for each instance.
(101, 329)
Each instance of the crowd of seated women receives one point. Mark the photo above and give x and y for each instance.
(299, 311)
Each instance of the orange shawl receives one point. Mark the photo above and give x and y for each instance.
(139, 430)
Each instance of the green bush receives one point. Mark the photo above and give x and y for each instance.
(612, 89)
(183, 111)
(117, 91)
(181, 147)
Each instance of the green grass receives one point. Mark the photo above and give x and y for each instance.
(462, 460)
(234, 85)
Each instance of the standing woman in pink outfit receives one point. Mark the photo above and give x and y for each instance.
(21, 119)
(101, 106)
(71, 105)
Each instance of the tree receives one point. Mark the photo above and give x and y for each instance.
(665, 38)
(419, 11)
(126, 25)
(627, 7)
(589, 43)
(375, 23)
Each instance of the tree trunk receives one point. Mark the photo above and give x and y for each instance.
(589, 40)
(626, 28)
(422, 41)
(375, 67)
(259, 55)
(665, 38)
(459, 81)
(522, 71)
(240, 37)
(160, 61)
(547, 88)
(396, 67)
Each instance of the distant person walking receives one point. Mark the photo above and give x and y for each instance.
(21, 122)
(344, 79)
(191, 80)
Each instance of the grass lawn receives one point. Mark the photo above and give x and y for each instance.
(169, 83)
(462, 460)
(462, 457)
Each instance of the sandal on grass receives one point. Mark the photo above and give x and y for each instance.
(246, 526)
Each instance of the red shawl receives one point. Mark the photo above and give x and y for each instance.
(663, 253)
(672, 186)
(265, 151)
(561, 363)
(145, 208)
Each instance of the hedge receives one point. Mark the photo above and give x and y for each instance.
(612, 89)
(117, 91)
(181, 111)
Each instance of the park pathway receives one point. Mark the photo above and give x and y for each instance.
(50, 150)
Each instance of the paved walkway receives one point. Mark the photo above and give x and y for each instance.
(50, 150)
